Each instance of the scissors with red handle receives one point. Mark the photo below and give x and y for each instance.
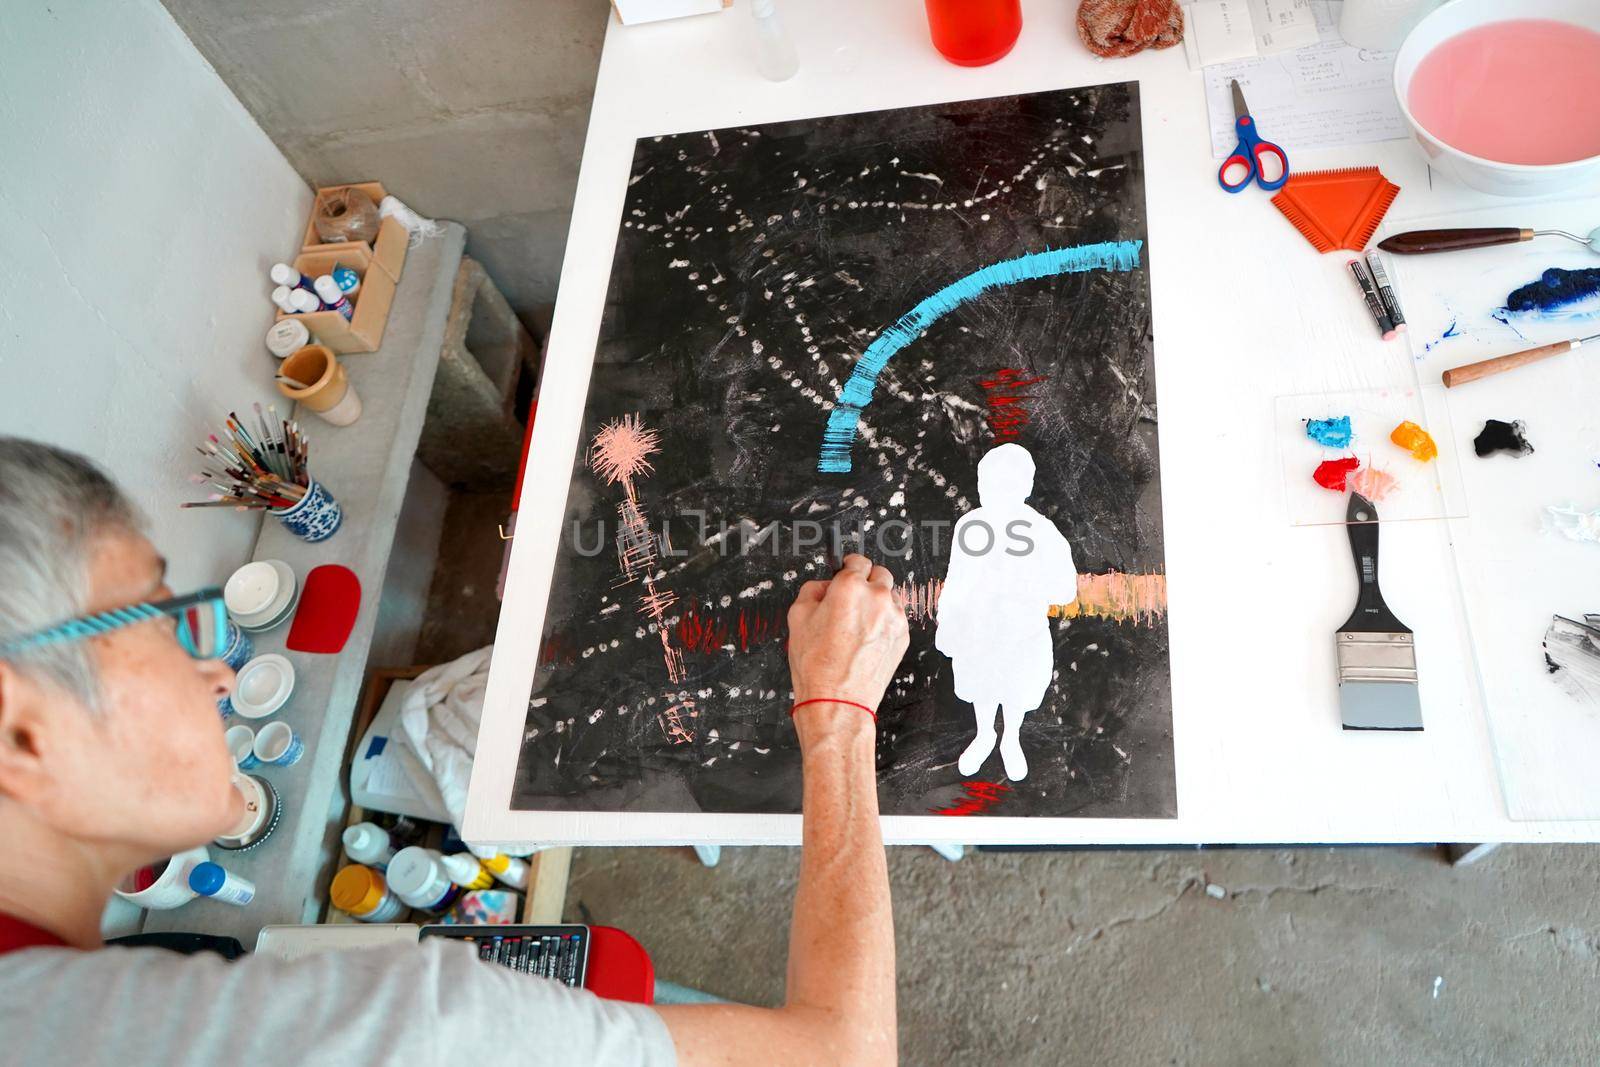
(1256, 157)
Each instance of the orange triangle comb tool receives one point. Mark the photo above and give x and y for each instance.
(1337, 208)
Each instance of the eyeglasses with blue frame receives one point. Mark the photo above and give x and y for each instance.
(202, 624)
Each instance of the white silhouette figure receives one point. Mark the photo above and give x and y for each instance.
(1008, 565)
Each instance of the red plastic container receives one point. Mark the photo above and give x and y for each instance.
(974, 32)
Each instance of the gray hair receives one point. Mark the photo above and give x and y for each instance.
(53, 506)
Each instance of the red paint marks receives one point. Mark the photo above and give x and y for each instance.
(1005, 393)
(981, 797)
(1332, 473)
(708, 632)
(557, 649)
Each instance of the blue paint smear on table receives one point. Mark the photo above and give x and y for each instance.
(1450, 331)
(1557, 289)
(1330, 433)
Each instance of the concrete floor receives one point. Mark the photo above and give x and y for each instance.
(1315, 956)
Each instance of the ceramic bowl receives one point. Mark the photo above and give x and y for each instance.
(263, 686)
(261, 595)
(1488, 175)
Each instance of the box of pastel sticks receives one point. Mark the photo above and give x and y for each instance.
(560, 953)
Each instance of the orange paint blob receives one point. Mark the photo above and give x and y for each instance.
(1414, 439)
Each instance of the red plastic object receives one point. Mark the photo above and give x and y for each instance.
(619, 967)
(974, 32)
(327, 611)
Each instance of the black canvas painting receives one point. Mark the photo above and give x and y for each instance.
(815, 332)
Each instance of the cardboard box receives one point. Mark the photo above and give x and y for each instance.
(363, 332)
(387, 250)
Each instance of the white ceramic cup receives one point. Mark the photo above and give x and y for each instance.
(278, 745)
(1488, 175)
(241, 742)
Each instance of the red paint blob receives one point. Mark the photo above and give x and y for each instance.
(981, 797)
(1331, 474)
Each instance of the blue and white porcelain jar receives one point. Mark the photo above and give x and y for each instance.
(316, 517)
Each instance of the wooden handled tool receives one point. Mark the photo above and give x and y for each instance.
(1421, 242)
(1500, 364)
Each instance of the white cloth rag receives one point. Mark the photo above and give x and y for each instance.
(439, 716)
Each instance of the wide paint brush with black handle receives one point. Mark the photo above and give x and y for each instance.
(1377, 659)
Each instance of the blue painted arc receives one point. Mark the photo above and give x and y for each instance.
(840, 433)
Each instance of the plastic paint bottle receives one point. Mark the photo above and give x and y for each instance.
(328, 290)
(280, 296)
(465, 871)
(510, 870)
(776, 58)
(210, 880)
(303, 302)
(417, 877)
(287, 276)
(361, 893)
(368, 843)
(349, 281)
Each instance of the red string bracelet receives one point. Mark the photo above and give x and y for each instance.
(833, 700)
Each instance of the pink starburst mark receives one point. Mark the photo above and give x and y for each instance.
(622, 449)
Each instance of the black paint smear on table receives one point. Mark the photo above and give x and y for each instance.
(753, 267)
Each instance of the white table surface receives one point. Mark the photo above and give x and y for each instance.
(1244, 312)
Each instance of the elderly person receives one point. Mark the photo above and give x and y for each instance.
(111, 757)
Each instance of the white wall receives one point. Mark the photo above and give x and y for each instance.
(140, 207)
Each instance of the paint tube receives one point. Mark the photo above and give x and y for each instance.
(280, 296)
(210, 880)
(465, 871)
(508, 869)
(328, 291)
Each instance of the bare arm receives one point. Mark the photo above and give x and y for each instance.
(846, 637)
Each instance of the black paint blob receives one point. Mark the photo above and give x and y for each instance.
(1500, 436)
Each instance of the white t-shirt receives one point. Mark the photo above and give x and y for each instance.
(432, 1003)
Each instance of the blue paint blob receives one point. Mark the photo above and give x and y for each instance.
(1555, 290)
(840, 432)
(1330, 433)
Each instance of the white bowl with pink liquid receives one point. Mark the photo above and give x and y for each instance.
(1504, 95)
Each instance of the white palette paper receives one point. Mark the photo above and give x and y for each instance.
(1514, 577)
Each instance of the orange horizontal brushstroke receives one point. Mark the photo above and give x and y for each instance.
(1136, 598)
